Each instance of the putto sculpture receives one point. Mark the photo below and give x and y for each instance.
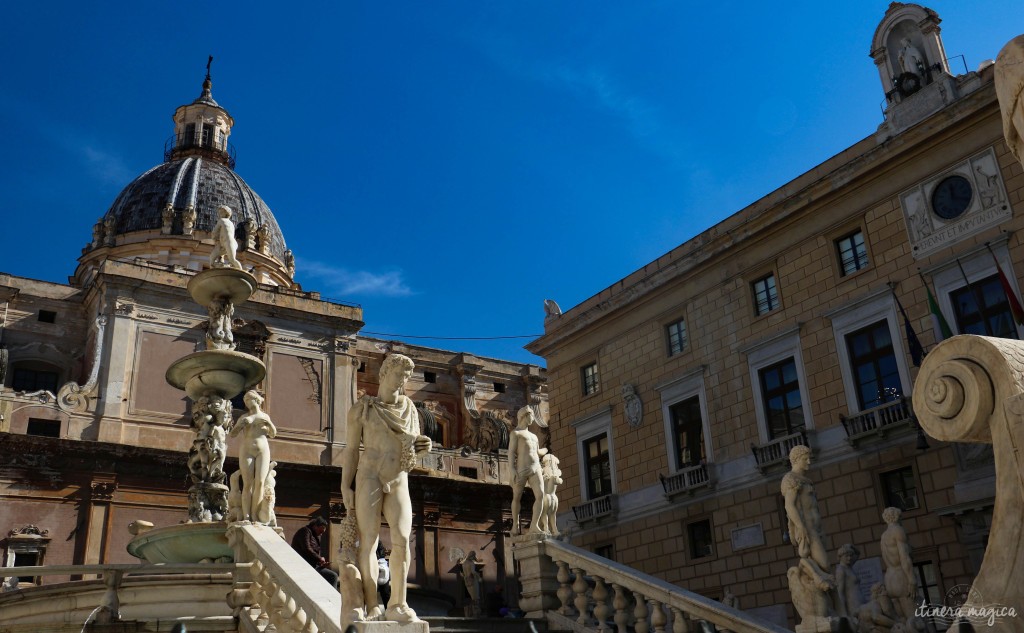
(225, 245)
(375, 482)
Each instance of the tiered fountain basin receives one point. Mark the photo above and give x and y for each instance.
(183, 543)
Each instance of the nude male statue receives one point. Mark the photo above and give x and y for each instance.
(804, 518)
(524, 462)
(377, 481)
(225, 246)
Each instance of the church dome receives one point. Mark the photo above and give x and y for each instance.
(167, 214)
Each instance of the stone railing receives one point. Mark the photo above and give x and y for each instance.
(878, 421)
(687, 480)
(281, 588)
(606, 506)
(144, 592)
(971, 389)
(575, 590)
(776, 452)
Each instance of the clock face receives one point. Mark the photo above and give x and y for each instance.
(951, 197)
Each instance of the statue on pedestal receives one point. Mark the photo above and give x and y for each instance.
(470, 567)
(524, 463)
(552, 479)
(376, 481)
(810, 584)
(225, 246)
(847, 582)
(254, 463)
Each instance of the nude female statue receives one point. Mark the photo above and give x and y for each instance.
(254, 463)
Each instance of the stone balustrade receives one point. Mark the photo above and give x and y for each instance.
(575, 590)
(775, 452)
(281, 588)
(606, 506)
(687, 480)
(878, 421)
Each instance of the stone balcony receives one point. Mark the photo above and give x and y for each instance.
(877, 422)
(774, 454)
(687, 481)
(596, 509)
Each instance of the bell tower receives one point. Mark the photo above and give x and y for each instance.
(202, 128)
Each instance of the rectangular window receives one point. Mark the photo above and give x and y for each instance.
(780, 389)
(676, 337)
(190, 136)
(598, 466)
(993, 319)
(853, 255)
(207, 131)
(590, 379)
(874, 365)
(605, 551)
(47, 316)
(43, 428)
(927, 583)
(429, 376)
(467, 471)
(701, 542)
(499, 387)
(26, 559)
(899, 489)
(688, 432)
(766, 298)
(34, 380)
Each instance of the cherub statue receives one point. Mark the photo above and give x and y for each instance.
(552, 479)
(219, 334)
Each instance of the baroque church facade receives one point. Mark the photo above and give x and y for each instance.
(95, 437)
(677, 393)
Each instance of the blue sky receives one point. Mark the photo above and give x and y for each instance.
(449, 165)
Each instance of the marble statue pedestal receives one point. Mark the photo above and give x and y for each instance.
(389, 627)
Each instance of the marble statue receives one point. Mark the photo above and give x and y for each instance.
(900, 584)
(551, 309)
(1009, 81)
(249, 232)
(109, 226)
(188, 220)
(847, 582)
(524, 463)
(289, 262)
(225, 246)
(376, 481)
(97, 234)
(211, 416)
(167, 217)
(474, 582)
(810, 584)
(910, 58)
(552, 479)
(353, 606)
(878, 615)
(256, 428)
(263, 239)
(219, 334)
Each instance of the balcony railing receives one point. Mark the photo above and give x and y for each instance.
(776, 452)
(878, 421)
(221, 150)
(594, 509)
(688, 480)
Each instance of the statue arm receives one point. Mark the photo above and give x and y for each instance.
(271, 428)
(350, 457)
(796, 521)
(513, 446)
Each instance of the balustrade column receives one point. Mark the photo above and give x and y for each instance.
(679, 623)
(658, 617)
(601, 606)
(640, 613)
(580, 587)
(620, 603)
(564, 589)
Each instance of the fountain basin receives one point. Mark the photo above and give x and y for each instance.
(183, 543)
(224, 372)
(222, 283)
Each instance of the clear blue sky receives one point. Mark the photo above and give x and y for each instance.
(449, 165)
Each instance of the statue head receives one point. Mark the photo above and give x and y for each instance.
(395, 361)
(1009, 80)
(891, 515)
(525, 417)
(252, 399)
(224, 211)
(800, 454)
(848, 554)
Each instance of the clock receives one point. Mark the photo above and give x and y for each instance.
(951, 197)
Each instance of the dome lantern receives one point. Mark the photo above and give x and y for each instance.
(202, 128)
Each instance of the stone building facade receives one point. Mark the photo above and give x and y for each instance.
(95, 438)
(677, 392)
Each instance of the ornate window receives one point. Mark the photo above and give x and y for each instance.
(29, 379)
(780, 394)
(597, 459)
(993, 318)
(852, 252)
(766, 296)
(688, 432)
(873, 360)
(26, 547)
